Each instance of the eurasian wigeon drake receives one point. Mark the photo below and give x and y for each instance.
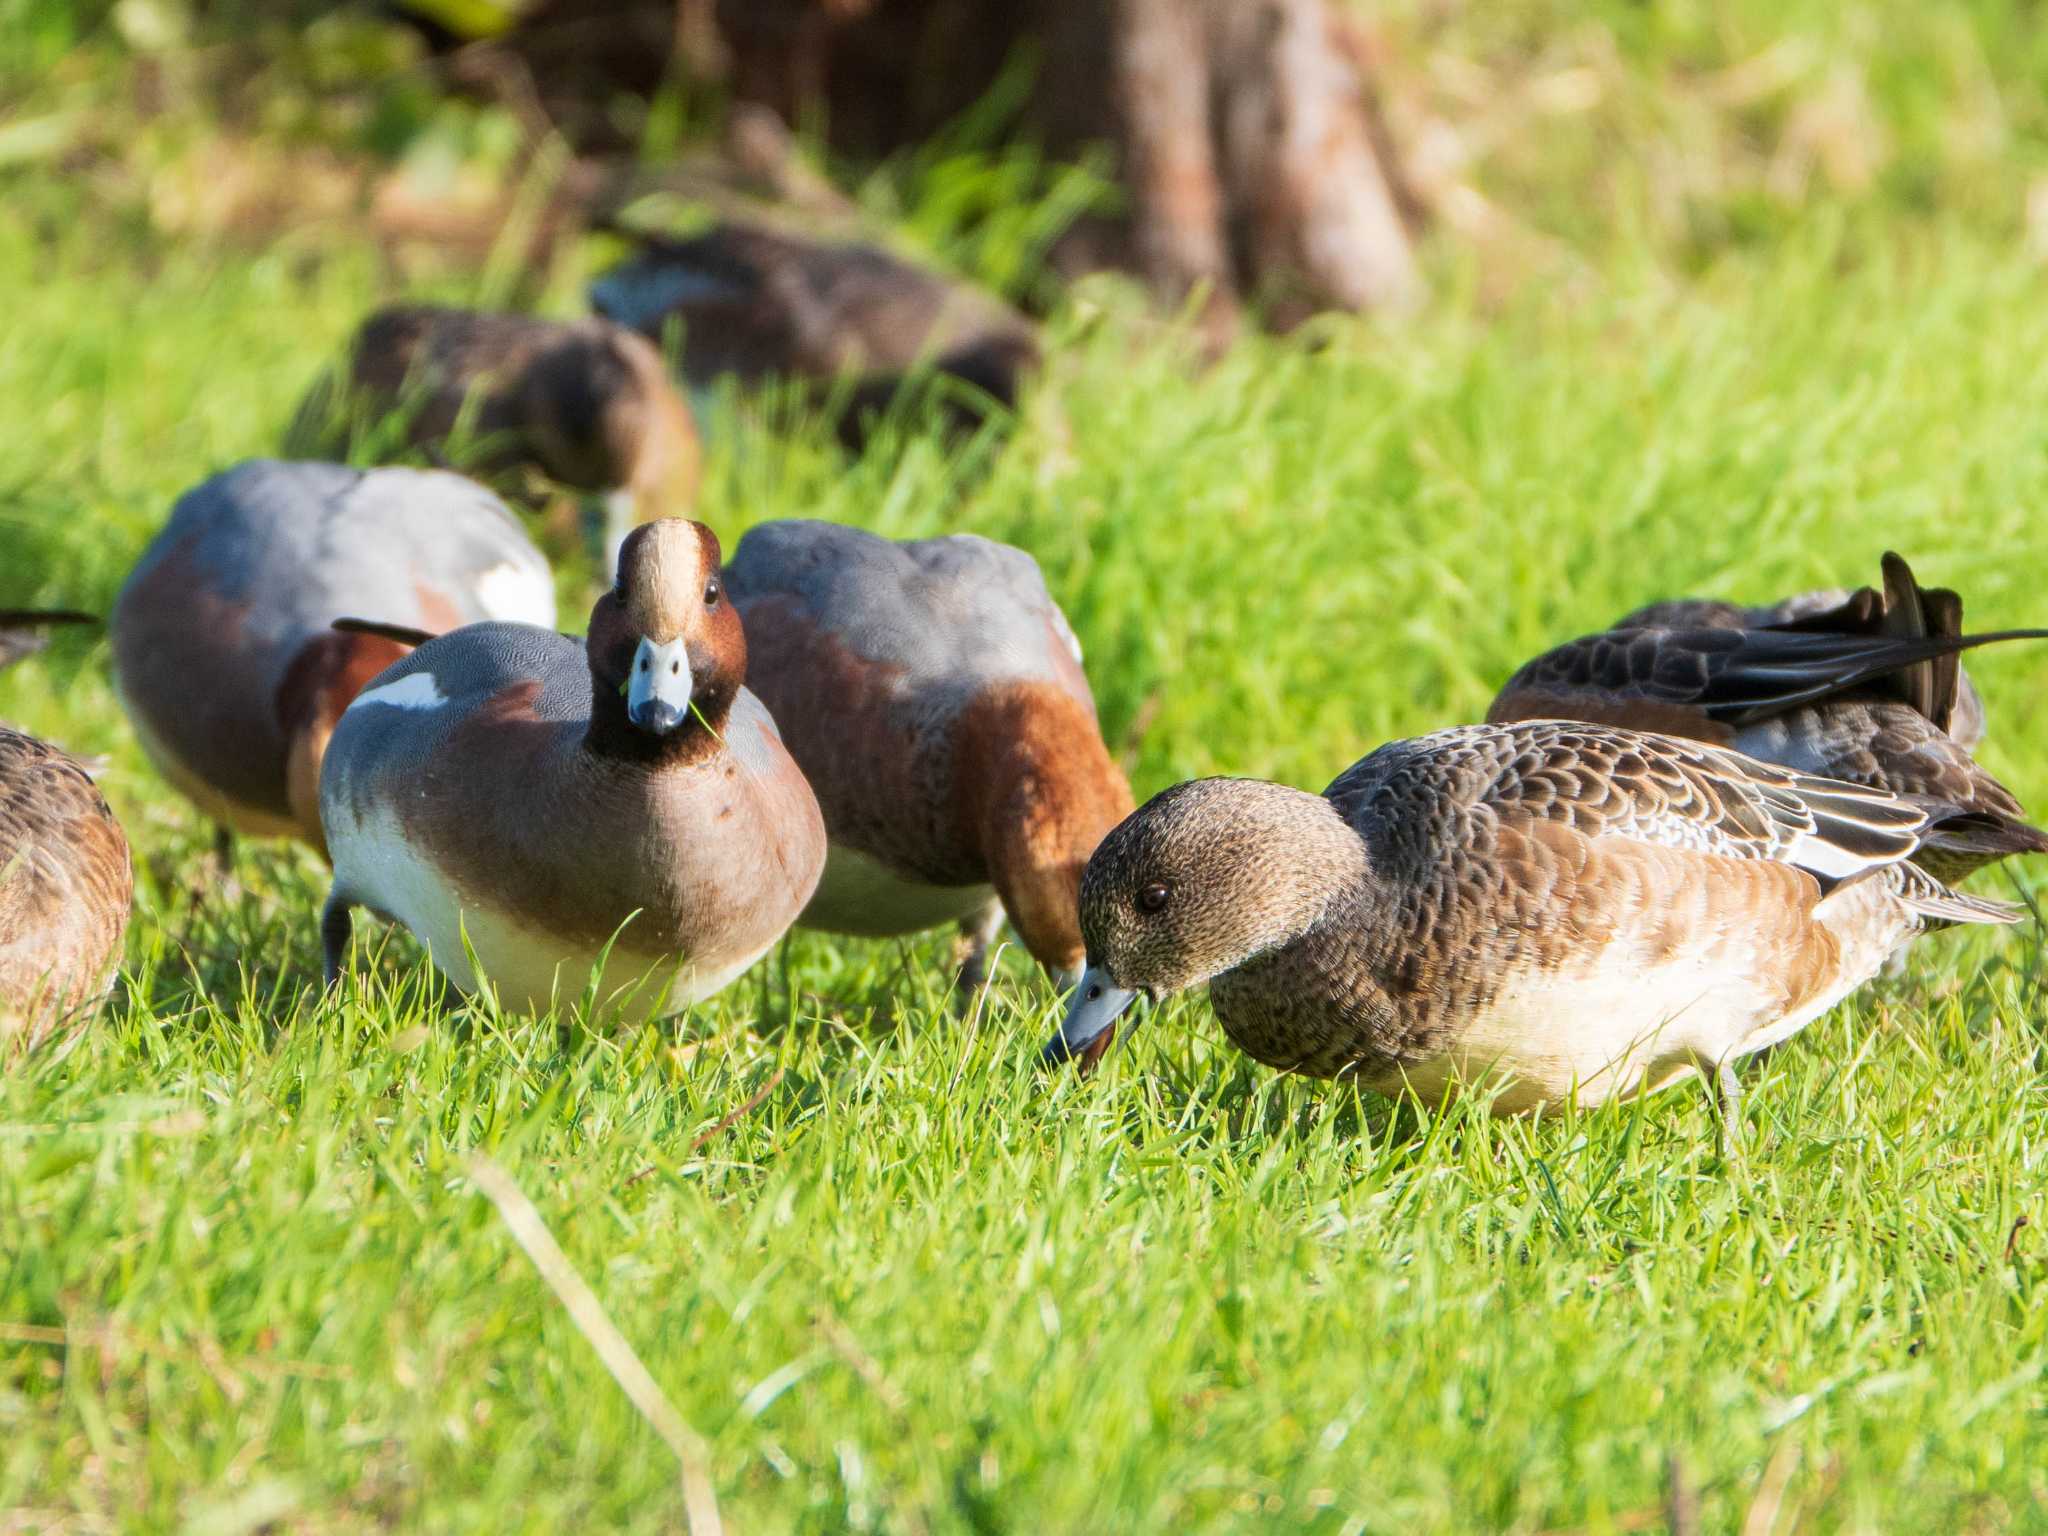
(1579, 911)
(1863, 686)
(584, 403)
(754, 303)
(66, 880)
(223, 654)
(547, 803)
(933, 693)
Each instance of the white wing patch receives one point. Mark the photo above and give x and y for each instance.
(416, 690)
(517, 594)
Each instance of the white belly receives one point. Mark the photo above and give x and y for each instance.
(1608, 1032)
(859, 894)
(529, 970)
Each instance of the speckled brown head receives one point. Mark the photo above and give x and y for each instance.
(667, 653)
(1195, 882)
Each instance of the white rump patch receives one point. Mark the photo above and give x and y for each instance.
(416, 690)
(517, 594)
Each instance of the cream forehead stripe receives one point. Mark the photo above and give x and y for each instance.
(668, 579)
(417, 690)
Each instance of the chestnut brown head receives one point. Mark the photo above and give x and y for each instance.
(666, 649)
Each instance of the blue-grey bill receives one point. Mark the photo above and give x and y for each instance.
(1090, 1024)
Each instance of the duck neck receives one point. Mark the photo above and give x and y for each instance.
(1318, 867)
(1309, 960)
(1038, 791)
(612, 736)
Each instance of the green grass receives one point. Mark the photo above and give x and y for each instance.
(246, 1281)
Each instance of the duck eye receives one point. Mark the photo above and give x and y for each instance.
(1152, 899)
(711, 593)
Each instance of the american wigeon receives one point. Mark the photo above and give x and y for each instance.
(933, 693)
(1863, 686)
(223, 654)
(754, 303)
(66, 880)
(585, 403)
(1586, 912)
(512, 792)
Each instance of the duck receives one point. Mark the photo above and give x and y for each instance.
(533, 808)
(1865, 686)
(933, 693)
(224, 655)
(1575, 912)
(586, 404)
(67, 879)
(755, 303)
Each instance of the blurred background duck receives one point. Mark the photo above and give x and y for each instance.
(584, 405)
(750, 302)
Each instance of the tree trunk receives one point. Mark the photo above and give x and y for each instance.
(1244, 130)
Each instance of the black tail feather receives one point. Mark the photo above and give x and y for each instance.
(404, 634)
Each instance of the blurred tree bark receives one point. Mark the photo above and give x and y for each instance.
(1245, 131)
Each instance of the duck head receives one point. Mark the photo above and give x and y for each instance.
(667, 654)
(1201, 878)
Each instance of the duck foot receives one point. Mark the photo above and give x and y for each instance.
(212, 877)
(335, 927)
(1729, 1091)
(971, 952)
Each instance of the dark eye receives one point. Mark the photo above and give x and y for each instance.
(1152, 899)
(712, 591)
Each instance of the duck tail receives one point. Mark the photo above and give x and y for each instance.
(404, 634)
(1941, 906)
(1966, 840)
(21, 629)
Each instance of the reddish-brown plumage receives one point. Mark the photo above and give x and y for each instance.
(666, 571)
(322, 681)
(1034, 791)
(933, 694)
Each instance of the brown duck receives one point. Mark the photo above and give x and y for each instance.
(1865, 686)
(752, 303)
(1579, 912)
(584, 403)
(932, 692)
(65, 877)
